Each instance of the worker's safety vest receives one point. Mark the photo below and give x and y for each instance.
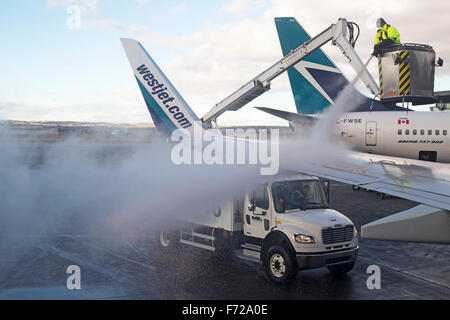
(387, 32)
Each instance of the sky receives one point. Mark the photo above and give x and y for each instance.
(57, 67)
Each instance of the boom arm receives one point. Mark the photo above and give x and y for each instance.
(337, 33)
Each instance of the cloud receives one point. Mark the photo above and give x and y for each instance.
(64, 61)
(59, 3)
(240, 8)
(237, 7)
(179, 9)
(140, 2)
(121, 105)
(87, 6)
(88, 11)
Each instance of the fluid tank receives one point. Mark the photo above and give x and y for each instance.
(406, 73)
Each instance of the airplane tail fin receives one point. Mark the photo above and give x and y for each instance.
(315, 81)
(167, 108)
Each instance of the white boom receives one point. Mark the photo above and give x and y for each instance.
(336, 33)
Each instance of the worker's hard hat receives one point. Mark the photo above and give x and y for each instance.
(380, 23)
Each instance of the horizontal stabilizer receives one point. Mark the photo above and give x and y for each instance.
(298, 118)
(418, 224)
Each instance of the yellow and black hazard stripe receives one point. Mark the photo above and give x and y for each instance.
(404, 74)
(381, 77)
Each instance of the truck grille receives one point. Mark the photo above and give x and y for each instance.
(330, 236)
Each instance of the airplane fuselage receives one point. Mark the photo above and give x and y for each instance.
(414, 135)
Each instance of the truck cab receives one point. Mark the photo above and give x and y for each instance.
(284, 223)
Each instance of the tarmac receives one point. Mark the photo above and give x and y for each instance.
(129, 267)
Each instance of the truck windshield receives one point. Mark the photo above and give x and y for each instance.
(298, 194)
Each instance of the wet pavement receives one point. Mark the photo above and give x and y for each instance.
(129, 266)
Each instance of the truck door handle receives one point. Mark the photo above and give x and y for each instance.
(256, 218)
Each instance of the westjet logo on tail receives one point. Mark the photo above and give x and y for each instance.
(159, 91)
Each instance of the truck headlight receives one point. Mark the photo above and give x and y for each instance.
(303, 238)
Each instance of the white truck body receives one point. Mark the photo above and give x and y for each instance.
(226, 219)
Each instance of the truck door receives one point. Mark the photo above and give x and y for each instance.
(257, 217)
(371, 133)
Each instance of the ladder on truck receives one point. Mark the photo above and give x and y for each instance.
(197, 239)
(336, 33)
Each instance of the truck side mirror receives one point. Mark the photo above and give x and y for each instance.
(251, 206)
(326, 188)
(282, 203)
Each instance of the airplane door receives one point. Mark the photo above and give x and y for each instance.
(371, 133)
(257, 214)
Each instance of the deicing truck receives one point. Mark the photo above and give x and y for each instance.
(285, 224)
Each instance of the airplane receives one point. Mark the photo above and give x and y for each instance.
(425, 182)
(371, 126)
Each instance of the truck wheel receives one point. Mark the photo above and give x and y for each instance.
(341, 268)
(164, 241)
(168, 240)
(280, 266)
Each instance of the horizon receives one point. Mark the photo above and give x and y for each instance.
(78, 71)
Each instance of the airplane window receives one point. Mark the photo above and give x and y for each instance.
(444, 132)
(407, 131)
(414, 132)
(399, 131)
(422, 132)
(430, 132)
(437, 132)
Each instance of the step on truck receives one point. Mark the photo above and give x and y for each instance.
(285, 224)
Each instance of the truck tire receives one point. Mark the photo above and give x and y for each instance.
(341, 268)
(280, 265)
(168, 241)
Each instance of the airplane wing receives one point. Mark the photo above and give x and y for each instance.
(427, 183)
(419, 181)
